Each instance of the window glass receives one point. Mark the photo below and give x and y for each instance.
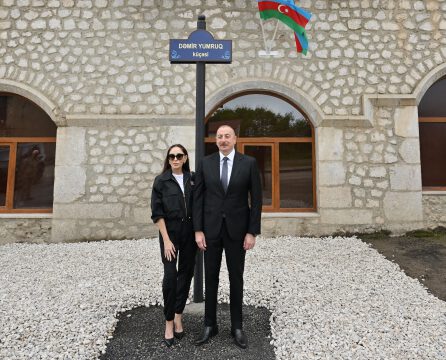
(258, 115)
(280, 137)
(433, 153)
(263, 155)
(4, 164)
(296, 175)
(433, 102)
(20, 117)
(34, 175)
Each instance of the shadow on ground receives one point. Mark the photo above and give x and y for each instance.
(421, 254)
(139, 333)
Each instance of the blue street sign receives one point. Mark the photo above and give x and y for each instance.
(200, 47)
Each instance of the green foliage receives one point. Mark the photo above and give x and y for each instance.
(261, 122)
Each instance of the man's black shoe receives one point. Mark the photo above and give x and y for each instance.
(240, 338)
(208, 332)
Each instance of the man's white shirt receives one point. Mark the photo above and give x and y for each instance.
(230, 157)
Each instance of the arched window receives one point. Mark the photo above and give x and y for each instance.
(432, 123)
(27, 153)
(281, 138)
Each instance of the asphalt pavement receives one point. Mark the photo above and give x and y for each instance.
(139, 334)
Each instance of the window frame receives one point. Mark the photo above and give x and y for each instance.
(432, 119)
(9, 201)
(275, 142)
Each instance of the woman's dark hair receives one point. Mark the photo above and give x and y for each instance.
(167, 166)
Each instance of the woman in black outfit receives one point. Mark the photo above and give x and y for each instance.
(172, 213)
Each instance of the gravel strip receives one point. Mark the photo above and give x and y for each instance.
(333, 298)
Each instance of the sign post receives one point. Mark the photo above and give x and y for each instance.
(200, 48)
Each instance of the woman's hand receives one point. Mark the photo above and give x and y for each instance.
(169, 250)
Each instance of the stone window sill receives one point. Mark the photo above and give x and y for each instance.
(267, 215)
(434, 192)
(25, 216)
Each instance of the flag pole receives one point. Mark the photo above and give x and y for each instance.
(263, 33)
(199, 152)
(274, 36)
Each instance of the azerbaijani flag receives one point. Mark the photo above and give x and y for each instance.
(301, 43)
(291, 15)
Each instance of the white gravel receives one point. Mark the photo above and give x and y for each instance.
(330, 298)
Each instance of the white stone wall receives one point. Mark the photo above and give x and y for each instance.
(105, 191)
(37, 230)
(367, 177)
(100, 69)
(111, 56)
(434, 206)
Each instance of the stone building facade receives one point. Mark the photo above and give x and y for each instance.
(100, 70)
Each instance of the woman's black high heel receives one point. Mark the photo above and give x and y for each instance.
(178, 335)
(168, 342)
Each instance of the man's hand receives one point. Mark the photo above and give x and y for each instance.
(250, 241)
(200, 240)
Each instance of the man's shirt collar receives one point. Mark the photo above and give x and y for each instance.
(230, 156)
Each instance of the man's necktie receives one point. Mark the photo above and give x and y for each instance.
(224, 174)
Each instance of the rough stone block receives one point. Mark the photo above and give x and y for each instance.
(64, 230)
(331, 173)
(405, 177)
(330, 143)
(406, 121)
(69, 183)
(335, 197)
(346, 216)
(142, 215)
(71, 147)
(410, 151)
(403, 206)
(378, 171)
(87, 211)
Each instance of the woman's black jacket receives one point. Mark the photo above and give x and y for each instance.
(168, 201)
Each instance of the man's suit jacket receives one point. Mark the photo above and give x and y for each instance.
(240, 206)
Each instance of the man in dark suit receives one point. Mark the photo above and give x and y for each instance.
(226, 214)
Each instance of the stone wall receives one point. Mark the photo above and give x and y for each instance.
(367, 177)
(434, 208)
(105, 191)
(111, 56)
(28, 230)
(100, 69)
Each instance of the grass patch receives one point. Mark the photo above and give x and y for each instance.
(439, 231)
(371, 235)
(421, 233)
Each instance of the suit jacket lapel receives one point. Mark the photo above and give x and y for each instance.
(235, 168)
(216, 170)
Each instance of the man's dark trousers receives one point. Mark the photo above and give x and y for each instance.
(235, 262)
(226, 218)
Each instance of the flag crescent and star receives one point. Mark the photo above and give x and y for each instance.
(284, 11)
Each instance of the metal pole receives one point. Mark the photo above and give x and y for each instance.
(199, 153)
